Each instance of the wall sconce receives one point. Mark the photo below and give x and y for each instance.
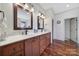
(26, 6)
(41, 15)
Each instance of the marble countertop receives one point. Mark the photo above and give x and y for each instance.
(16, 38)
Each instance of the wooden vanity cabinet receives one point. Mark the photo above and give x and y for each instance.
(13, 49)
(29, 47)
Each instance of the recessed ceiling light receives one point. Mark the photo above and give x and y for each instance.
(68, 5)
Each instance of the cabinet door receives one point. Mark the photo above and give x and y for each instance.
(28, 47)
(42, 43)
(48, 39)
(12, 49)
(35, 46)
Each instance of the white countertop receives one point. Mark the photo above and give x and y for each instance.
(16, 38)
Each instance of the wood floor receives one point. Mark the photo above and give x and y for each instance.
(61, 48)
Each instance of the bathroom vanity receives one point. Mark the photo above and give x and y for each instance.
(25, 45)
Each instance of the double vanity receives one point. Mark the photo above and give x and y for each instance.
(25, 45)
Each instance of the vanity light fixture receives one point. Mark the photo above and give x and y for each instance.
(39, 14)
(42, 16)
(26, 6)
(32, 9)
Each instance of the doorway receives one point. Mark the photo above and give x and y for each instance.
(71, 29)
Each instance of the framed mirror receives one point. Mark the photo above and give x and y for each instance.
(23, 18)
(40, 22)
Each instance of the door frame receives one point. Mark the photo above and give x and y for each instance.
(52, 34)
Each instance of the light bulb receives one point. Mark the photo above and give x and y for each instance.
(26, 5)
(67, 5)
(32, 9)
(42, 16)
(39, 14)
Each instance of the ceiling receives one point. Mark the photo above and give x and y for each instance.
(59, 7)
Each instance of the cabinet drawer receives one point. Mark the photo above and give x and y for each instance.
(35, 46)
(42, 43)
(28, 47)
(13, 48)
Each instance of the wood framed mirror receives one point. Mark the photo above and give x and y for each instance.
(40, 22)
(23, 18)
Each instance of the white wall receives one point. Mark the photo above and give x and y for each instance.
(8, 11)
(67, 29)
(50, 17)
(59, 29)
